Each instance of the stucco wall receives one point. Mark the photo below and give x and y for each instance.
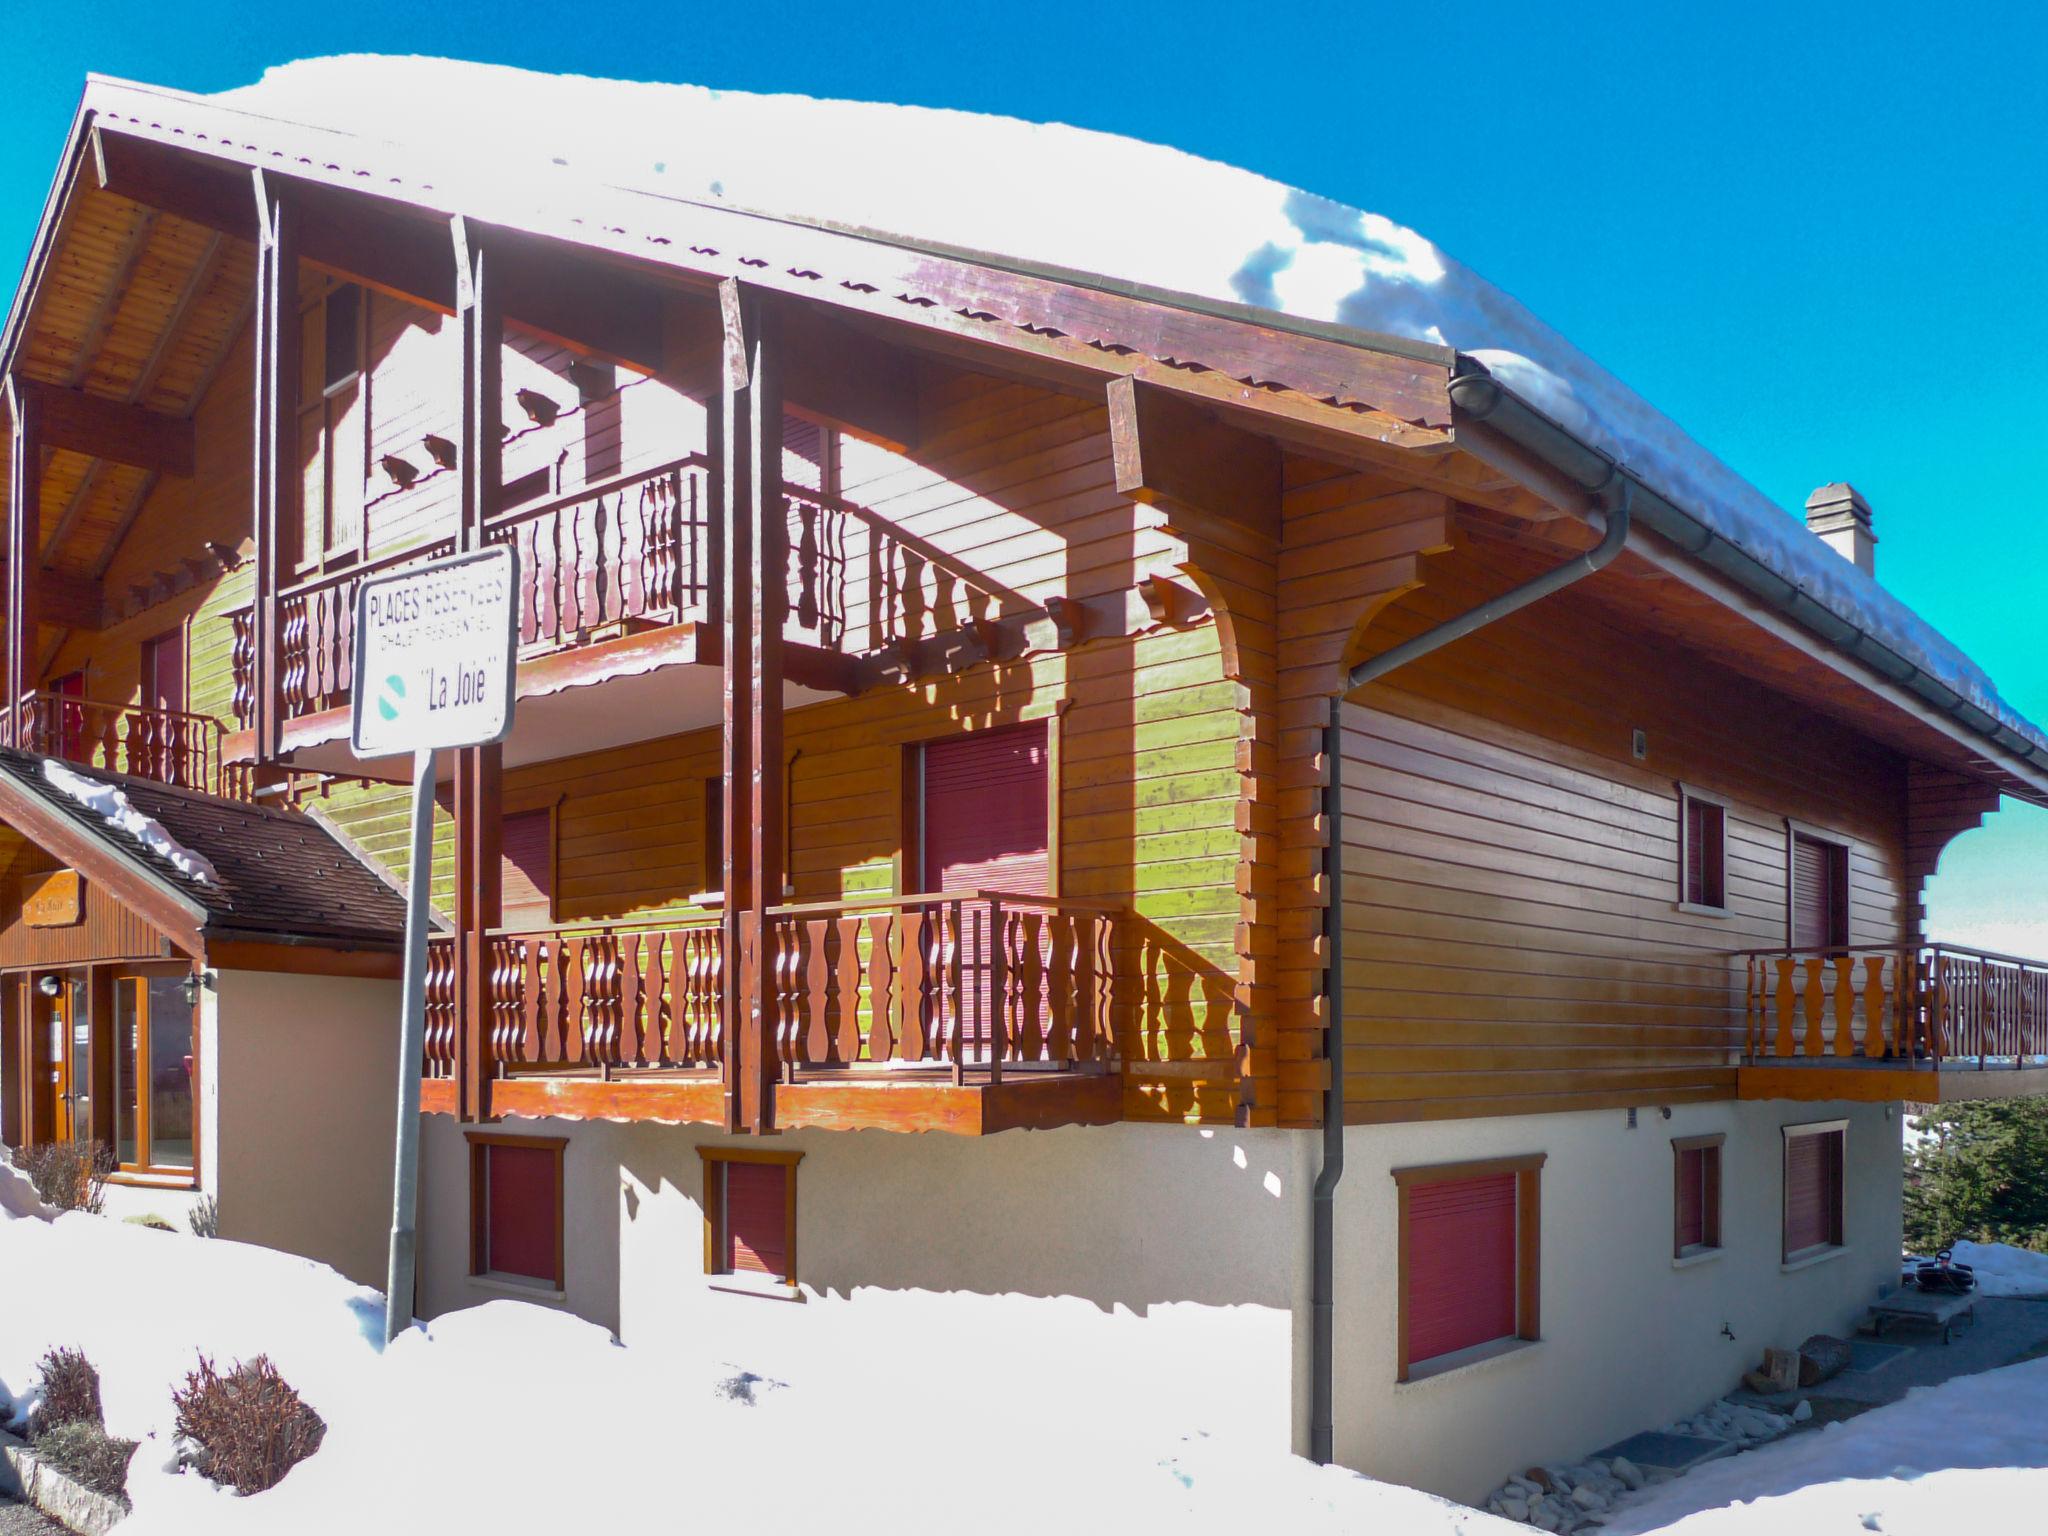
(1629, 1341)
(304, 1083)
(1153, 1268)
(1167, 1270)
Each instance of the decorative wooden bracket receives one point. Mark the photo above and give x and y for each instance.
(1172, 454)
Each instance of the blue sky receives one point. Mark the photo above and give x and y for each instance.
(1814, 235)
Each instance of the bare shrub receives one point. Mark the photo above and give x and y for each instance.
(88, 1454)
(70, 1392)
(204, 1217)
(70, 1175)
(250, 1426)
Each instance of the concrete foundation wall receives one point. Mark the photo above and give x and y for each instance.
(301, 1113)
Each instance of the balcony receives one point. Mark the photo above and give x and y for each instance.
(170, 746)
(621, 578)
(1928, 1024)
(968, 1012)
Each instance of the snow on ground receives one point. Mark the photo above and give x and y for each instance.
(2003, 1270)
(512, 1417)
(1966, 1458)
(510, 143)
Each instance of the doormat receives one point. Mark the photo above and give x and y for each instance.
(1665, 1451)
(1868, 1355)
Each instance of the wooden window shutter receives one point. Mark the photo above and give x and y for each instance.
(756, 1212)
(1461, 1264)
(1813, 1191)
(1820, 907)
(527, 849)
(985, 813)
(522, 1211)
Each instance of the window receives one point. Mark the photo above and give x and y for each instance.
(515, 1208)
(1696, 1195)
(334, 441)
(810, 456)
(1819, 887)
(750, 1216)
(1813, 1188)
(1469, 1248)
(1702, 850)
(153, 1074)
(526, 844)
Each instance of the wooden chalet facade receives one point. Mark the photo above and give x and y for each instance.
(930, 670)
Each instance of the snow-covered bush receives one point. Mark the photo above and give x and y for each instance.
(70, 1175)
(249, 1426)
(69, 1392)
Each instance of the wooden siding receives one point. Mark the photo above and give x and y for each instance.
(1513, 941)
(106, 929)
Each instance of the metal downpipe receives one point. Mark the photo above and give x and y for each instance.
(1322, 1427)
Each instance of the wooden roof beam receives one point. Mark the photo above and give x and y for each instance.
(107, 429)
(74, 600)
(856, 382)
(1170, 453)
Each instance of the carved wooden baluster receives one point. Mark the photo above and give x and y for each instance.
(1060, 929)
(881, 989)
(1812, 1000)
(1874, 1001)
(1787, 1001)
(846, 1035)
(908, 1015)
(543, 973)
(626, 948)
(1031, 984)
(1845, 1005)
(817, 989)
(575, 996)
(997, 948)
(242, 666)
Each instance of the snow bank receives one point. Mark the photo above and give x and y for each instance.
(506, 143)
(2003, 1270)
(1966, 1458)
(18, 1195)
(512, 1417)
(111, 803)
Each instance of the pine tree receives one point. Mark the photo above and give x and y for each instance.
(1979, 1171)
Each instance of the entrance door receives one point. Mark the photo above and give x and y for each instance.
(61, 1038)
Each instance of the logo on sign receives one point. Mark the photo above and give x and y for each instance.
(439, 640)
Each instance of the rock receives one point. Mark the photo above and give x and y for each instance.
(1630, 1474)
(1538, 1477)
(1514, 1507)
(1545, 1517)
(1523, 1485)
(1587, 1497)
(1803, 1412)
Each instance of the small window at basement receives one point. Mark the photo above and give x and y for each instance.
(515, 1208)
(1703, 850)
(1696, 1195)
(1468, 1257)
(1813, 1188)
(750, 1215)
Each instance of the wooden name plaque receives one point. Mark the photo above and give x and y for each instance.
(55, 900)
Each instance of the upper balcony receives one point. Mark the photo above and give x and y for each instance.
(170, 746)
(970, 1012)
(621, 579)
(1928, 1024)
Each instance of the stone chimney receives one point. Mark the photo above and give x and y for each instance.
(1840, 516)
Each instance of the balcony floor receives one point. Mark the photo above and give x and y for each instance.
(1860, 1080)
(845, 1101)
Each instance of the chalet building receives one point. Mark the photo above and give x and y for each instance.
(1332, 887)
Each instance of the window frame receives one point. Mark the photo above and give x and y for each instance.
(1837, 1195)
(1840, 854)
(1710, 1195)
(786, 1286)
(145, 1168)
(1528, 1170)
(480, 1143)
(1687, 794)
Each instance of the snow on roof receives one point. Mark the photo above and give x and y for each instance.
(111, 804)
(1056, 195)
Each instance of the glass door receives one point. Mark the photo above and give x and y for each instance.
(154, 1072)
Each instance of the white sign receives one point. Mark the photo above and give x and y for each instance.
(435, 648)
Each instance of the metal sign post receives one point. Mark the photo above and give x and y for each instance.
(435, 648)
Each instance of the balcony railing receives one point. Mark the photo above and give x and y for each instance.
(1933, 1005)
(969, 984)
(171, 746)
(642, 550)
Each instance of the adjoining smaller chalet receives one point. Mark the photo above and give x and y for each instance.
(203, 986)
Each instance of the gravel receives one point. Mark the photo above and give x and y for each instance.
(20, 1520)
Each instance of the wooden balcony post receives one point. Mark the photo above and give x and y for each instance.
(479, 771)
(24, 532)
(754, 579)
(276, 467)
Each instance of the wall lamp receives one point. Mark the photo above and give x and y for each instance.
(195, 982)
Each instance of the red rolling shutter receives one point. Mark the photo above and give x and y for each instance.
(522, 1211)
(526, 843)
(1692, 1197)
(985, 812)
(1461, 1264)
(756, 1210)
(1704, 863)
(1813, 1165)
(1820, 911)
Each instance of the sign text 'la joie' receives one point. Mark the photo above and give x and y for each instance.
(434, 654)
